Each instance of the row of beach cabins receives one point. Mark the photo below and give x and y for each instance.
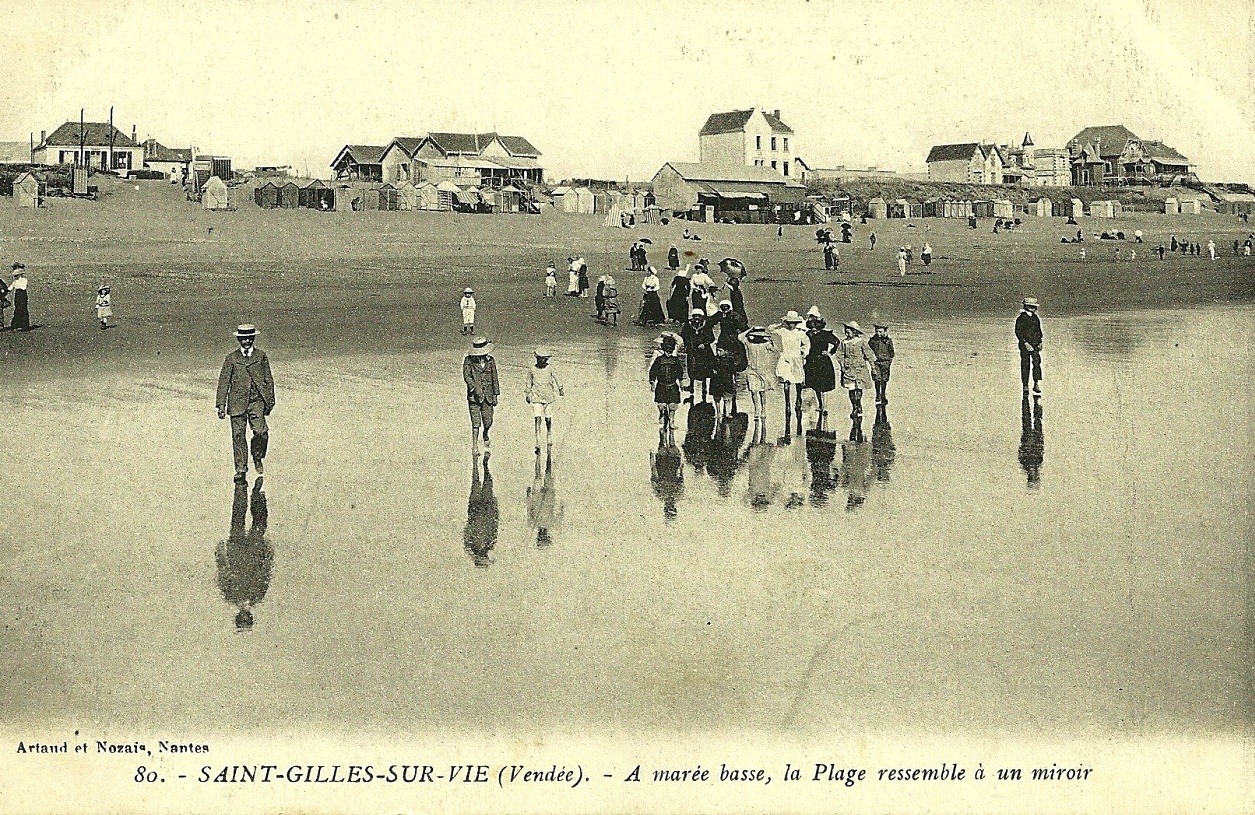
(444, 196)
(1042, 207)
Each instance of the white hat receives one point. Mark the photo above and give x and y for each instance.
(723, 303)
(853, 326)
(480, 346)
(1030, 302)
(791, 317)
(246, 330)
(814, 312)
(468, 290)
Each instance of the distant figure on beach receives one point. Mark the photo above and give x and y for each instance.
(610, 304)
(479, 371)
(1160, 251)
(583, 278)
(1211, 249)
(551, 281)
(673, 258)
(573, 277)
(1029, 336)
(1174, 243)
(1137, 235)
(21, 307)
(542, 391)
(871, 238)
(245, 559)
(901, 261)
(651, 313)
(1082, 253)
(104, 305)
(246, 393)
(926, 254)
(468, 310)
(678, 302)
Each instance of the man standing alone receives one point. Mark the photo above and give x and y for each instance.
(1028, 333)
(246, 393)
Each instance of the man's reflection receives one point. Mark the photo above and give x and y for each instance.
(821, 449)
(246, 558)
(482, 517)
(1032, 441)
(883, 451)
(543, 512)
(666, 474)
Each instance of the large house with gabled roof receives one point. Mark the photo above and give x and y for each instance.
(474, 159)
(748, 138)
(358, 162)
(92, 144)
(1113, 154)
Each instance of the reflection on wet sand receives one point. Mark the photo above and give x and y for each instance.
(856, 465)
(1032, 441)
(666, 474)
(543, 510)
(246, 559)
(883, 451)
(762, 488)
(724, 455)
(821, 449)
(482, 516)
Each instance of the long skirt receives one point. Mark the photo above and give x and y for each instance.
(21, 315)
(651, 309)
(678, 306)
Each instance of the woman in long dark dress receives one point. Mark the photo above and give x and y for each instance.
(21, 311)
(673, 258)
(821, 376)
(651, 304)
(678, 302)
(583, 280)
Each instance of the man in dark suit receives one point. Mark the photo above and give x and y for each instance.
(1028, 334)
(246, 393)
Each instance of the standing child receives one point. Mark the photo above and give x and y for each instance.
(665, 375)
(761, 357)
(882, 346)
(479, 371)
(543, 390)
(723, 382)
(610, 303)
(551, 281)
(104, 306)
(468, 310)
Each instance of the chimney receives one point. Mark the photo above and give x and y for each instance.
(133, 135)
(776, 113)
(43, 136)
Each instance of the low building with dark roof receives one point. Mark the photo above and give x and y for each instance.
(472, 159)
(358, 162)
(748, 138)
(176, 162)
(722, 192)
(99, 145)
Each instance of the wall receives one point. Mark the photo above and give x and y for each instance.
(395, 165)
(724, 149)
(671, 191)
(957, 170)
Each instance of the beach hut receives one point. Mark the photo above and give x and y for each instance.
(931, 209)
(407, 197)
(214, 194)
(370, 198)
(447, 195)
(1042, 208)
(389, 201)
(509, 199)
(603, 201)
(1117, 209)
(267, 195)
(1191, 206)
(877, 208)
(28, 191)
(897, 208)
(289, 196)
(1171, 206)
(1003, 208)
(344, 198)
(428, 196)
(587, 204)
(317, 195)
(1101, 209)
(965, 209)
(1078, 208)
(983, 209)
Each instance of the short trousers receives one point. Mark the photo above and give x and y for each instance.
(542, 410)
(481, 415)
(468, 315)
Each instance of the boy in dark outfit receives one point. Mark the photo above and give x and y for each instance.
(882, 345)
(1028, 334)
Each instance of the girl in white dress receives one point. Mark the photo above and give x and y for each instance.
(794, 346)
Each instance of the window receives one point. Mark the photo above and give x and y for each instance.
(786, 168)
(773, 144)
(758, 142)
(773, 166)
(786, 144)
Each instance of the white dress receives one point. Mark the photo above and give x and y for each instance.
(794, 346)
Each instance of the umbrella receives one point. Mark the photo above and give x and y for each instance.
(645, 240)
(732, 268)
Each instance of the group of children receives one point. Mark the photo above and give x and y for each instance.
(483, 390)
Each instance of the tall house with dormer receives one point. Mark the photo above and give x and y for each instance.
(750, 138)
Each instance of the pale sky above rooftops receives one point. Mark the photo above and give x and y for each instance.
(614, 89)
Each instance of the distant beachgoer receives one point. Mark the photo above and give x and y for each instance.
(1132, 255)
(1117, 254)
(871, 238)
(468, 310)
(246, 393)
(827, 256)
(551, 281)
(702, 284)
(686, 235)
(1137, 236)
(104, 305)
(1160, 251)
(573, 278)
(794, 346)
(902, 261)
(910, 255)
(678, 302)
(673, 258)
(1082, 253)
(665, 376)
(738, 299)
(1174, 243)
(542, 391)
(479, 371)
(1028, 334)
(651, 305)
(611, 302)
(599, 299)
(882, 346)
(21, 308)
(856, 358)
(926, 254)
(583, 278)
(1211, 249)
(642, 257)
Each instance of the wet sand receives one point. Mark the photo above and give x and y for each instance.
(970, 568)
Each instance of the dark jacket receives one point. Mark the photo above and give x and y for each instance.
(883, 347)
(1028, 329)
(482, 386)
(238, 373)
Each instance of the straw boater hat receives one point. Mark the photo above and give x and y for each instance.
(757, 334)
(880, 325)
(468, 290)
(480, 346)
(1030, 302)
(245, 330)
(543, 353)
(853, 326)
(791, 317)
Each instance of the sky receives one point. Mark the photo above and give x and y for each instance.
(615, 89)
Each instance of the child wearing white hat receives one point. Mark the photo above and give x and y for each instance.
(542, 392)
(468, 310)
